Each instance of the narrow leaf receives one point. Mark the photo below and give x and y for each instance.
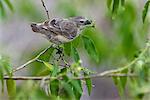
(90, 48)
(44, 72)
(88, 83)
(11, 87)
(120, 83)
(68, 89)
(47, 55)
(67, 48)
(49, 66)
(76, 41)
(109, 3)
(115, 6)
(75, 54)
(2, 80)
(76, 85)
(122, 2)
(2, 10)
(9, 5)
(54, 87)
(145, 10)
(55, 70)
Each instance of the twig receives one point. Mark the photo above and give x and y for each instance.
(32, 60)
(45, 9)
(76, 78)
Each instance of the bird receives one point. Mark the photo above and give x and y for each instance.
(61, 30)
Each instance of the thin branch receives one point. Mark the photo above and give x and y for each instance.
(45, 9)
(76, 78)
(32, 60)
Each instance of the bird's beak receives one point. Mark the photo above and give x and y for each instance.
(88, 22)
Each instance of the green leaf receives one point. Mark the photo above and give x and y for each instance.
(145, 11)
(122, 2)
(2, 80)
(76, 90)
(67, 48)
(75, 54)
(76, 84)
(46, 56)
(68, 89)
(2, 10)
(11, 87)
(109, 3)
(9, 5)
(49, 66)
(115, 6)
(88, 83)
(5, 63)
(90, 48)
(76, 41)
(55, 71)
(54, 87)
(120, 82)
(44, 72)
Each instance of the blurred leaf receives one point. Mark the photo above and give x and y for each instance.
(76, 85)
(120, 83)
(68, 89)
(55, 70)
(90, 48)
(76, 41)
(109, 3)
(75, 54)
(88, 83)
(47, 55)
(49, 66)
(115, 6)
(2, 80)
(11, 88)
(145, 11)
(5, 65)
(2, 11)
(122, 2)
(54, 87)
(44, 72)
(9, 4)
(67, 48)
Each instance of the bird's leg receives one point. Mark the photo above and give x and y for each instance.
(59, 51)
(61, 55)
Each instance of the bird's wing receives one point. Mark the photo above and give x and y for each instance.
(68, 28)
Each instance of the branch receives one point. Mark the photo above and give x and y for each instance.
(32, 60)
(45, 9)
(76, 78)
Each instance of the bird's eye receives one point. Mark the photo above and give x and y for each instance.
(81, 21)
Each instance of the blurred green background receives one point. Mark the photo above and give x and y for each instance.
(118, 38)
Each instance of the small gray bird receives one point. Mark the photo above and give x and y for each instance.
(59, 31)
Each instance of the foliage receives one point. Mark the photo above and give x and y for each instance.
(2, 7)
(67, 74)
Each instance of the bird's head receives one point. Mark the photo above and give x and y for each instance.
(82, 21)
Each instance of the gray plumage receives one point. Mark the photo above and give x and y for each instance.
(59, 30)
